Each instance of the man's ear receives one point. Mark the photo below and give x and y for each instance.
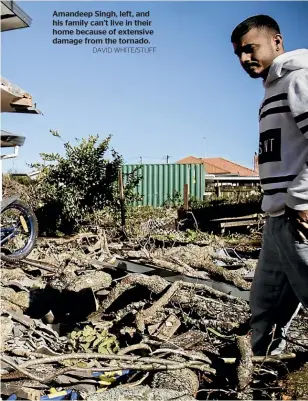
(278, 41)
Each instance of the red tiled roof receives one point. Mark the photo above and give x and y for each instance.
(219, 165)
(214, 169)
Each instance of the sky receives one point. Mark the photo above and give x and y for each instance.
(190, 97)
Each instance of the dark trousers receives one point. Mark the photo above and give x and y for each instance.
(280, 286)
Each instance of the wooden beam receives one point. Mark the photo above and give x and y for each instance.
(121, 196)
(186, 196)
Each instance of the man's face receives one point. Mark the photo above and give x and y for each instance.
(256, 51)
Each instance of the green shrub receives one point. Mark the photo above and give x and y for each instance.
(81, 182)
(175, 200)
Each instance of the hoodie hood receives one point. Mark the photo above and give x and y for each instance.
(289, 61)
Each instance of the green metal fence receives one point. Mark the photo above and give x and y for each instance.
(160, 181)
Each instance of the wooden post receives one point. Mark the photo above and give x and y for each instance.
(218, 190)
(186, 196)
(121, 195)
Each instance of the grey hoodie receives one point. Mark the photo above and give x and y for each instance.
(283, 144)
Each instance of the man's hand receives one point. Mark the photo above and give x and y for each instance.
(299, 222)
(303, 224)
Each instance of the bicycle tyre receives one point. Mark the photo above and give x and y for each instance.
(27, 249)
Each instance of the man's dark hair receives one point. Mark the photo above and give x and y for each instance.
(257, 21)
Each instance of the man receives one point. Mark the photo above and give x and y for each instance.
(280, 283)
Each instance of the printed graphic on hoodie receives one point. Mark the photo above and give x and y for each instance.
(283, 125)
(270, 146)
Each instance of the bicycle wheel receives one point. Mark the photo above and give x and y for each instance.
(27, 225)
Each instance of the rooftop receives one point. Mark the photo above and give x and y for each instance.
(13, 17)
(15, 99)
(220, 166)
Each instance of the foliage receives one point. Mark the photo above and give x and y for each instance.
(176, 200)
(214, 201)
(81, 182)
(131, 181)
(93, 339)
(136, 216)
(191, 235)
(22, 179)
(21, 185)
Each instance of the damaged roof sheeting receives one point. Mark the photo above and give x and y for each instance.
(8, 140)
(15, 99)
(13, 17)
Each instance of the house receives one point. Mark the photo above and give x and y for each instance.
(220, 172)
(219, 166)
(13, 98)
(13, 17)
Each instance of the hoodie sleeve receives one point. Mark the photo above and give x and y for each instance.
(297, 197)
(298, 101)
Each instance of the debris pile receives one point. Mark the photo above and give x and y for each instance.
(91, 319)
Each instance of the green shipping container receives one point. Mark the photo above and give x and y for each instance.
(159, 182)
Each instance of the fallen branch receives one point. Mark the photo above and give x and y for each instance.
(230, 262)
(155, 284)
(249, 264)
(144, 316)
(185, 296)
(41, 265)
(263, 359)
(137, 383)
(135, 347)
(128, 309)
(120, 366)
(25, 353)
(232, 337)
(136, 367)
(174, 292)
(21, 369)
(187, 270)
(221, 271)
(212, 323)
(203, 269)
(106, 244)
(245, 367)
(162, 363)
(188, 354)
(215, 293)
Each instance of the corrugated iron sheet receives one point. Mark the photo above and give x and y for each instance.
(160, 181)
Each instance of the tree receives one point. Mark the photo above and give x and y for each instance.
(72, 186)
